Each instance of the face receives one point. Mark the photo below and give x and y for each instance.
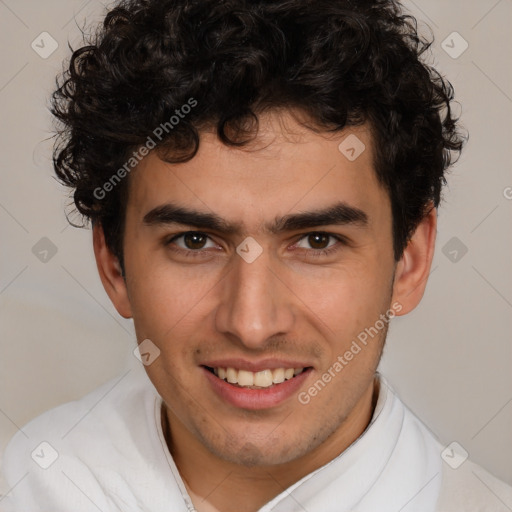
(253, 261)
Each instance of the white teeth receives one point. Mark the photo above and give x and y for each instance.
(245, 378)
(261, 379)
(278, 375)
(232, 375)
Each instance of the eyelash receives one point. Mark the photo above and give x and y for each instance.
(311, 252)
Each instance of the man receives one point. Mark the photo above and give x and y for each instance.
(263, 179)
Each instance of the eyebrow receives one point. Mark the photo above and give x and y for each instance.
(337, 214)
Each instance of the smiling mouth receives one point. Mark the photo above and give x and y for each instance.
(256, 380)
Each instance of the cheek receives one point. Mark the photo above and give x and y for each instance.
(343, 302)
(167, 302)
(164, 289)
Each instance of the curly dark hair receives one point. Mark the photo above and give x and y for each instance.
(340, 62)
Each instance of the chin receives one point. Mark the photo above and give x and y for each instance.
(251, 455)
(268, 451)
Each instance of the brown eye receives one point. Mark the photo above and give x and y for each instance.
(320, 243)
(192, 241)
(195, 240)
(318, 240)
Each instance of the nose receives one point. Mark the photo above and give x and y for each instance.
(256, 305)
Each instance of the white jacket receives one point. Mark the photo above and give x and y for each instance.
(107, 452)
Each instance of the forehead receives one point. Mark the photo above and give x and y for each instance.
(286, 168)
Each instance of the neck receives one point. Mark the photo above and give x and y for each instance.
(217, 485)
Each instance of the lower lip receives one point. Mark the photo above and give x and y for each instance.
(255, 399)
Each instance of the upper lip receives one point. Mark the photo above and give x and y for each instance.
(255, 366)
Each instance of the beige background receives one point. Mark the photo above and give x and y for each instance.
(450, 359)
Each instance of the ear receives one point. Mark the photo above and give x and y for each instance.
(413, 269)
(110, 273)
